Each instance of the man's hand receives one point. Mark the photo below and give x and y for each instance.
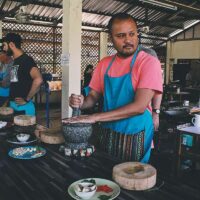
(155, 121)
(20, 101)
(76, 101)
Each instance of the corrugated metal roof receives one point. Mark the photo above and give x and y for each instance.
(163, 22)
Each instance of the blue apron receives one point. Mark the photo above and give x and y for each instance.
(4, 91)
(28, 108)
(86, 91)
(119, 91)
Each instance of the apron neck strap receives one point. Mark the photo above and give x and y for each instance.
(110, 64)
(132, 61)
(134, 57)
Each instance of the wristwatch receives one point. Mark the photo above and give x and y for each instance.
(157, 111)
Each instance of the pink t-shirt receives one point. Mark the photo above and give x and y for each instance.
(145, 74)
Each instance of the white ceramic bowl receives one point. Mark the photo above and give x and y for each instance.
(22, 137)
(85, 190)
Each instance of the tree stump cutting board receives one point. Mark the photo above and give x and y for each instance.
(134, 175)
(24, 120)
(6, 114)
(6, 111)
(49, 136)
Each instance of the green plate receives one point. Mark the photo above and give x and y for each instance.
(27, 155)
(99, 181)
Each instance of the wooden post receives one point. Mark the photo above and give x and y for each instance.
(71, 52)
(103, 44)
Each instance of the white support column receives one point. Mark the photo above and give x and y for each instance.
(103, 44)
(167, 71)
(71, 52)
(1, 26)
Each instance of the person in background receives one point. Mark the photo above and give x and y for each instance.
(87, 78)
(188, 78)
(5, 66)
(88, 75)
(126, 84)
(25, 77)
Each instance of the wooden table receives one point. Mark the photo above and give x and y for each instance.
(48, 177)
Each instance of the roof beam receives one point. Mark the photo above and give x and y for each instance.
(93, 25)
(159, 23)
(147, 43)
(159, 36)
(2, 5)
(29, 23)
(34, 17)
(168, 17)
(152, 38)
(182, 6)
(10, 12)
(134, 3)
(39, 3)
(137, 19)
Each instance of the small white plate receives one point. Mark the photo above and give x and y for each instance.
(2, 124)
(14, 140)
(99, 181)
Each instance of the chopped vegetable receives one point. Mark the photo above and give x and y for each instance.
(104, 188)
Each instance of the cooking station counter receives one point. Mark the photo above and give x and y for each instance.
(48, 177)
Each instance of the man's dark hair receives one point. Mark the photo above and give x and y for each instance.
(89, 66)
(13, 37)
(119, 16)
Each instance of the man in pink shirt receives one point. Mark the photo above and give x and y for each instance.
(128, 81)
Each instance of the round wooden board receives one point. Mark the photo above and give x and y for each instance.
(135, 175)
(49, 136)
(24, 120)
(6, 111)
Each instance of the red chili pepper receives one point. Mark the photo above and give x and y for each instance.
(104, 188)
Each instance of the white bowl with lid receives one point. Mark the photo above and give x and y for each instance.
(22, 137)
(85, 190)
